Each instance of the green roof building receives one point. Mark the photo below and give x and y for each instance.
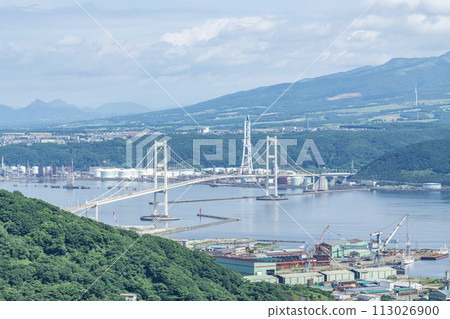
(302, 278)
(248, 267)
(375, 272)
(338, 275)
(345, 248)
(264, 278)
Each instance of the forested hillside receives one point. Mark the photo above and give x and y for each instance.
(337, 147)
(49, 254)
(420, 163)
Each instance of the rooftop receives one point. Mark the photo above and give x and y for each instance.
(336, 242)
(356, 240)
(335, 272)
(261, 277)
(373, 269)
(301, 274)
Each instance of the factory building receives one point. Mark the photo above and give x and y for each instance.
(304, 278)
(345, 248)
(376, 273)
(440, 295)
(263, 278)
(248, 267)
(338, 275)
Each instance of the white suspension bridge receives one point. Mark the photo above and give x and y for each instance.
(161, 160)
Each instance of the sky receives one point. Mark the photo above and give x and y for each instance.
(199, 49)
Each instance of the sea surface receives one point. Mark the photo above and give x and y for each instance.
(352, 214)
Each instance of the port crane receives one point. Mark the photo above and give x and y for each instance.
(380, 246)
(313, 250)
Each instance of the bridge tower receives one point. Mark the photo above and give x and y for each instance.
(247, 157)
(271, 142)
(160, 166)
(272, 155)
(156, 166)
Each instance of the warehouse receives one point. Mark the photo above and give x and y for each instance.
(345, 248)
(248, 267)
(375, 273)
(338, 275)
(263, 278)
(305, 278)
(440, 295)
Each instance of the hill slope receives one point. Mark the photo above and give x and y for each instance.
(345, 97)
(421, 162)
(49, 254)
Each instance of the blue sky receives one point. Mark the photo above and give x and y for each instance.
(199, 49)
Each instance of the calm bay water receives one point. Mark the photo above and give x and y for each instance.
(350, 214)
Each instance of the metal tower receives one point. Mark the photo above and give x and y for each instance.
(247, 157)
(156, 165)
(446, 280)
(271, 142)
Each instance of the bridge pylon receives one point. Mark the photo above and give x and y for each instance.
(272, 155)
(247, 157)
(160, 166)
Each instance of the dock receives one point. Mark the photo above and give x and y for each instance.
(434, 257)
(167, 231)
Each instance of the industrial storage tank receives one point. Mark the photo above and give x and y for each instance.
(431, 186)
(98, 173)
(124, 173)
(109, 173)
(296, 180)
(35, 170)
(134, 173)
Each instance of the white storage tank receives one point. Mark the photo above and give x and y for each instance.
(35, 170)
(109, 173)
(296, 180)
(124, 173)
(187, 172)
(431, 186)
(98, 173)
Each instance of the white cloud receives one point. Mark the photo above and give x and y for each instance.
(436, 6)
(70, 40)
(363, 36)
(213, 27)
(433, 25)
(395, 3)
(190, 45)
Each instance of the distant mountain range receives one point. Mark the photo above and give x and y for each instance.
(40, 113)
(366, 94)
(371, 93)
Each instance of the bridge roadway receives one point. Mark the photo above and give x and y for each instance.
(105, 201)
(94, 204)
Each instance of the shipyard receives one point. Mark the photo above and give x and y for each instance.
(281, 157)
(366, 267)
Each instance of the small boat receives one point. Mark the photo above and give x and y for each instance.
(443, 250)
(406, 260)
